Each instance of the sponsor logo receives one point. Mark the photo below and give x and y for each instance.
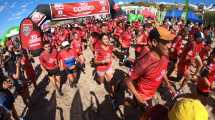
(26, 30)
(37, 16)
(83, 8)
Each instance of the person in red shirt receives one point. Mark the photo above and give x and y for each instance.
(78, 46)
(117, 32)
(94, 41)
(49, 63)
(28, 68)
(190, 56)
(207, 76)
(150, 69)
(142, 41)
(125, 41)
(103, 59)
(205, 52)
(68, 58)
(176, 50)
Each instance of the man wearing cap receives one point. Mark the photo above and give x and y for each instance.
(68, 58)
(150, 68)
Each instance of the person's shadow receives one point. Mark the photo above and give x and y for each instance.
(42, 108)
(76, 110)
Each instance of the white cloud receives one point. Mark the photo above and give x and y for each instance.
(14, 18)
(13, 4)
(2, 7)
(24, 6)
(17, 15)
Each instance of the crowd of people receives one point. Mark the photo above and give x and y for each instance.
(162, 50)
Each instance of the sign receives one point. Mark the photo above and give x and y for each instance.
(82, 9)
(38, 17)
(35, 41)
(26, 27)
(30, 37)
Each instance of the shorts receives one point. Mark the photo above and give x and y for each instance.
(36, 53)
(55, 72)
(102, 73)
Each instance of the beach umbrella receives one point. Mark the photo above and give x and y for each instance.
(132, 17)
(148, 14)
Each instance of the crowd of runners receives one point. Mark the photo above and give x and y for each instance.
(165, 53)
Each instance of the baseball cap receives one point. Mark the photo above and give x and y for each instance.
(161, 33)
(188, 109)
(65, 43)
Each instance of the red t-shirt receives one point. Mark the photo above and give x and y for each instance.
(210, 77)
(141, 40)
(177, 46)
(49, 60)
(68, 57)
(101, 54)
(96, 43)
(192, 49)
(149, 72)
(77, 46)
(197, 48)
(30, 73)
(204, 53)
(118, 31)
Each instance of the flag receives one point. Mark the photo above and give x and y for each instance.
(186, 9)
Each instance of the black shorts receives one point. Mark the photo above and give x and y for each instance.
(36, 53)
(55, 72)
(72, 71)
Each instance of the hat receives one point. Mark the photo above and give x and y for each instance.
(188, 109)
(65, 43)
(161, 33)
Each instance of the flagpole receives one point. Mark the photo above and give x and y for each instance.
(186, 9)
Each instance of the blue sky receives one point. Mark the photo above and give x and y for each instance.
(13, 11)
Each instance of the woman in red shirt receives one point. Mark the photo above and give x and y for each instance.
(78, 46)
(103, 59)
(28, 68)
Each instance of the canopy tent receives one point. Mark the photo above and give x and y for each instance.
(9, 33)
(191, 16)
(12, 31)
(174, 13)
(135, 17)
